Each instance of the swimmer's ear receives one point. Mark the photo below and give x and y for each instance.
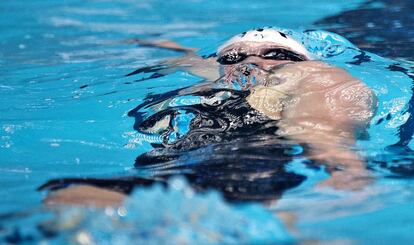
(164, 44)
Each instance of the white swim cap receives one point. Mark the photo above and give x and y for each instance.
(271, 35)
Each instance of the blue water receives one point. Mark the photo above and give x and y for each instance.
(64, 102)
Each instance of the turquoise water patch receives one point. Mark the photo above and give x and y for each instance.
(64, 104)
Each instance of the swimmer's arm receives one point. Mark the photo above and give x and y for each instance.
(346, 167)
(335, 147)
(206, 68)
(164, 44)
(94, 192)
(85, 195)
(327, 119)
(328, 142)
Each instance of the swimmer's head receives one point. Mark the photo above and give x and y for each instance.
(261, 50)
(268, 44)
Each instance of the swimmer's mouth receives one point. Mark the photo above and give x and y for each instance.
(234, 57)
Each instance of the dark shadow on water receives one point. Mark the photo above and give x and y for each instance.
(383, 27)
(229, 147)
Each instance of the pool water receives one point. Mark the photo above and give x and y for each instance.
(66, 111)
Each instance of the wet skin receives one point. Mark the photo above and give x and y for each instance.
(318, 105)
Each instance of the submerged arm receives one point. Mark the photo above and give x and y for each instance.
(324, 108)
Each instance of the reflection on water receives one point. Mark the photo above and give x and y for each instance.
(228, 146)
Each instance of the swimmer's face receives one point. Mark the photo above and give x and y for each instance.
(258, 59)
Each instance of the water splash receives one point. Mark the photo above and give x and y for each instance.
(175, 214)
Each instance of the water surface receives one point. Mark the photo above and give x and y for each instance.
(64, 101)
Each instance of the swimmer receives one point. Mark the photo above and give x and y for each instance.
(315, 104)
